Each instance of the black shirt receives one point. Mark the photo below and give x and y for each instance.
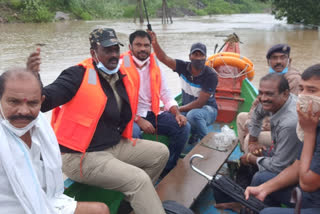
(206, 81)
(112, 122)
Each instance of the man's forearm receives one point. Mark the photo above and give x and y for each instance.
(162, 56)
(190, 106)
(286, 178)
(306, 178)
(307, 152)
(158, 50)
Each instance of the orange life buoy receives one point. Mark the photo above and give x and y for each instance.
(236, 55)
(232, 59)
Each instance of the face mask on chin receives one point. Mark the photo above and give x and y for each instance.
(285, 70)
(139, 62)
(102, 68)
(198, 64)
(17, 131)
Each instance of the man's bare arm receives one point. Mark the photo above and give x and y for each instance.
(288, 177)
(309, 181)
(162, 56)
(198, 103)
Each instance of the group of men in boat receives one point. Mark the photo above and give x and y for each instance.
(108, 99)
(271, 140)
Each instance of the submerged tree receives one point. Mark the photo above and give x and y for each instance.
(297, 11)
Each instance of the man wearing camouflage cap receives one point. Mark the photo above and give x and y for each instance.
(94, 125)
(279, 61)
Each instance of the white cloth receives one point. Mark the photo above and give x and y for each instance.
(303, 101)
(28, 184)
(144, 104)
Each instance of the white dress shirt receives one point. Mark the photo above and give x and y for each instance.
(144, 104)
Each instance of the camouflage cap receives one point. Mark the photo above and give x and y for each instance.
(105, 37)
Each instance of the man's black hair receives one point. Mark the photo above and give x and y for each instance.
(139, 33)
(310, 72)
(15, 71)
(93, 46)
(283, 82)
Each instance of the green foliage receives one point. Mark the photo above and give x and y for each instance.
(234, 6)
(16, 4)
(153, 7)
(200, 12)
(34, 11)
(43, 10)
(88, 9)
(129, 11)
(77, 8)
(297, 11)
(218, 7)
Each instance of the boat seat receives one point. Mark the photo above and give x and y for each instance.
(160, 138)
(84, 192)
(184, 185)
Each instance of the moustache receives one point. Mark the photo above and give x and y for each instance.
(267, 102)
(21, 117)
(113, 59)
(278, 65)
(142, 52)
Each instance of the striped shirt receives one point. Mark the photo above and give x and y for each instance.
(191, 86)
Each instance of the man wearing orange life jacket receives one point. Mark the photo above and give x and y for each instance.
(153, 88)
(98, 101)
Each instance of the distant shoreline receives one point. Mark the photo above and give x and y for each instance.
(18, 11)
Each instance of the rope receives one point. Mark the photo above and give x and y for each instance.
(230, 75)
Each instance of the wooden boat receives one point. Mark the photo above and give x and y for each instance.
(233, 95)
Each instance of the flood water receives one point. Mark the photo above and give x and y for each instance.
(66, 43)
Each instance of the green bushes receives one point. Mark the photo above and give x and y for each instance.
(34, 11)
(235, 6)
(44, 10)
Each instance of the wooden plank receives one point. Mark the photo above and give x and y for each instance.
(184, 185)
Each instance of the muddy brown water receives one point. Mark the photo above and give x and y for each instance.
(66, 43)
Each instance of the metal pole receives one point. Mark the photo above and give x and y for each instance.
(145, 9)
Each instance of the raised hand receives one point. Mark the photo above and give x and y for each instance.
(34, 61)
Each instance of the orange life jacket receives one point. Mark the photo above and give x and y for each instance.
(76, 121)
(155, 78)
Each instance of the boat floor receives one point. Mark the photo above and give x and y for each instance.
(205, 203)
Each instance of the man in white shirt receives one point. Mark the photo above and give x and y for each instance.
(31, 178)
(152, 89)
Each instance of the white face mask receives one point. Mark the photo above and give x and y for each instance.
(102, 68)
(17, 131)
(139, 62)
